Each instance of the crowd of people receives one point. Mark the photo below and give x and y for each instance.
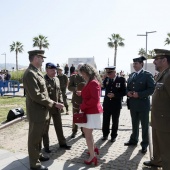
(67, 70)
(46, 98)
(5, 76)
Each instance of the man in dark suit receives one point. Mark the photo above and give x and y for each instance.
(72, 69)
(54, 91)
(38, 104)
(115, 89)
(160, 112)
(140, 86)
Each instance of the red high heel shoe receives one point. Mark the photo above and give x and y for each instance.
(95, 150)
(90, 162)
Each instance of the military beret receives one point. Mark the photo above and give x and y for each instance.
(139, 59)
(50, 66)
(37, 52)
(161, 53)
(110, 69)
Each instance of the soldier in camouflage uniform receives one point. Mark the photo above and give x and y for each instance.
(53, 87)
(75, 79)
(160, 112)
(63, 86)
(38, 104)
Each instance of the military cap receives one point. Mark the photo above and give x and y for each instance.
(139, 59)
(50, 66)
(161, 53)
(59, 68)
(37, 52)
(110, 69)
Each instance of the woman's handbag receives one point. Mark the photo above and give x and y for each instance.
(79, 117)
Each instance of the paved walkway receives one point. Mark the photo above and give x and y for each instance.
(113, 156)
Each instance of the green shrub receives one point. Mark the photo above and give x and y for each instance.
(17, 75)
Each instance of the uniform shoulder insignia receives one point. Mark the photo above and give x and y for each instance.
(131, 74)
(56, 78)
(147, 72)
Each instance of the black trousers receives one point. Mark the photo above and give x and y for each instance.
(107, 114)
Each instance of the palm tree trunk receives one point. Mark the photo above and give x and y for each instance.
(40, 45)
(16, 60)
(115, 56)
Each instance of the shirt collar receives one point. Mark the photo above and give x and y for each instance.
(139, 71)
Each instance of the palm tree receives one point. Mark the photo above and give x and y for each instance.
(142, 52)
(41, 42)
(18, 48)
(115, 41)
(167, 41)
(151, 54)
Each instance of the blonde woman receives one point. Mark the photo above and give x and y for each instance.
(91, 106)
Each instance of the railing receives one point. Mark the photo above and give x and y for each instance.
(11, 86)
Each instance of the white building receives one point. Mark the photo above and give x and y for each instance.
(76, 61)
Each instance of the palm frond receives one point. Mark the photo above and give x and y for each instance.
(40, 41)
(110, 44)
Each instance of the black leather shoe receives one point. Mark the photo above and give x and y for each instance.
(130, 144)
(113, 140)
(47, 150)
(149, 163)
(43, 158)
(40, 168)
(73, 135)
(104, 137)
(144, 150)
(65, 146)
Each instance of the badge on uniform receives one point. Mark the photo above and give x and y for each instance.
(117, 85)
(107, 81)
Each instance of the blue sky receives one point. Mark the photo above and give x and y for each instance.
(80, 28)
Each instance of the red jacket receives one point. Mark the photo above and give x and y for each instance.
(91, 98)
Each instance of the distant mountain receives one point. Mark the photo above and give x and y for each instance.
(10, 66)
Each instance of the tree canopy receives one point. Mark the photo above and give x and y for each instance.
(40, 42)
(115, 41)
(18, 48)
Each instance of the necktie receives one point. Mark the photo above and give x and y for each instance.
(112, 80)
(135, 74)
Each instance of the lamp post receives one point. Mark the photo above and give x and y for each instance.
(146, 35)
(5, 59)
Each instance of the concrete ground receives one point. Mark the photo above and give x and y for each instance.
(113, 156)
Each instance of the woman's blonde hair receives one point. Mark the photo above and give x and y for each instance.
(91, 72)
